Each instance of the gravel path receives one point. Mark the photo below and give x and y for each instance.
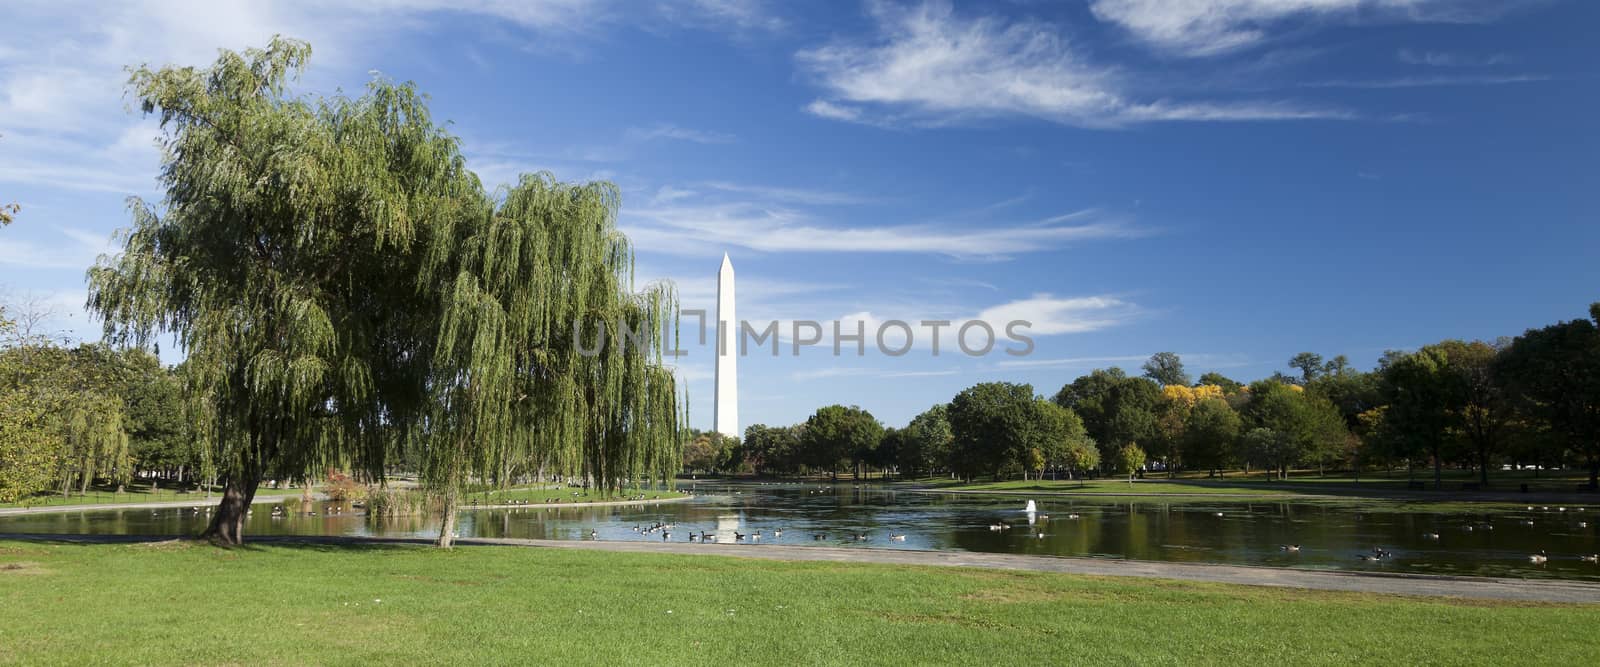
(1532, 590)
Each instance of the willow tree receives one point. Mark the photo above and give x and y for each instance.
(534, 359)
(343, 286)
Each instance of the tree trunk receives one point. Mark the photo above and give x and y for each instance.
(227, 525)
(447, 527)
(1483, 468)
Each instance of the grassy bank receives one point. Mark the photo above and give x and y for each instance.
(135, 494)
(560, 494)
(188, 603)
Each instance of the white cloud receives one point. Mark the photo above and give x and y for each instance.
(1210, 27)
(670, 131)
(1050, 315)
(68, 248)
(791, 195)
(1194, 360)
(1429, 81)
(832, 111)
(769, 227)
(1445, 59)
(928, 66)
(1074, 362)
(860, 371)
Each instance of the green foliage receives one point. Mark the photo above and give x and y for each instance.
(1555, 374)
(1210, 435)
(1116, 409)
(30, 447)
(836, 436)
(772, 448)
(1166, 368)
(1130, 459)
(926, 442)
(1228, 385)
(344, 287)
(994, 425)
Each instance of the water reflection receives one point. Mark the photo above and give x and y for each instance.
(1329, 536)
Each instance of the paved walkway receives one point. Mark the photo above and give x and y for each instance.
(1533, 590)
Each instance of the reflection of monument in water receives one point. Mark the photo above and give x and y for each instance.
(726, 411)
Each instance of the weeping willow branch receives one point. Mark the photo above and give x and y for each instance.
(345, 289)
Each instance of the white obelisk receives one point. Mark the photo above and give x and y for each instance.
(727, 351)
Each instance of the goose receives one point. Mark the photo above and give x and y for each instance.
(1380, 553)
(1430, 536)
(594, 534)
(1072, 516)
(738, 536)
(707, 537)
(755, 537)
(665, 535)
(1539, 558)
(997, 526)
(896, 538)
(1583, 524)
(1528, 522)
(1040, 536)
(692, 537)
(1368, 558)
(777, 533)
(1289, 547)
(1595, 558)
(861, 537)
(1219, 514)
(819, 536)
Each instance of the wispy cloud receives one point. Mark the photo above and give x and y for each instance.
(1192, 359)
(1074, 362)
(674, 132)
(65, 248)
(1429, 81)
(691, 228)
(1446, 59)
(927, 66)
(792, 195)
(859, 372)
(1199, 28)
(1050, 315)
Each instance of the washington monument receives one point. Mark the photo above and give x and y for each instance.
(727, 408)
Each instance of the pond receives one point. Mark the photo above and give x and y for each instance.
(1330, 535)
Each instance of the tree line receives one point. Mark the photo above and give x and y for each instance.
(1532, 400)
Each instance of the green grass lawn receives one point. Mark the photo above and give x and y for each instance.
(189, 603)
(134, 494)
(542, 494)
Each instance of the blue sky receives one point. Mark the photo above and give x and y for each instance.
(1233, 180)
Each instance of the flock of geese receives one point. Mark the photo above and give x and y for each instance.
(1541, 558)
(1377, 554)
